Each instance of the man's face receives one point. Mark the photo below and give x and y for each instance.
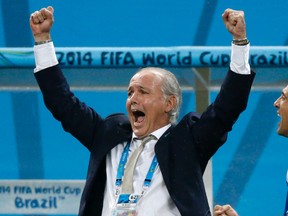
(282, 105)
(146, 105)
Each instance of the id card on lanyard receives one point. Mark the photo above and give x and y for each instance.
(126, 204)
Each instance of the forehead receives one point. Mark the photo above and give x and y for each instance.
(145, 77)
(285, 91)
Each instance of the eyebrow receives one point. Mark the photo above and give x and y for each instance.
(138, 87)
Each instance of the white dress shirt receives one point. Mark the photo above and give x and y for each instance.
(156, 200)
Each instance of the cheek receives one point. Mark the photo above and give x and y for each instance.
(284, 120)
(284, 116)
(154, 107)
(284, 109)
(158, 109)
(128, 105)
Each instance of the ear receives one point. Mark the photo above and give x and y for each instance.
(170, 103)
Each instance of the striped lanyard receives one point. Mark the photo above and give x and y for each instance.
(120, 171)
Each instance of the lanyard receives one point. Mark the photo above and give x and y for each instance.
(120, 171)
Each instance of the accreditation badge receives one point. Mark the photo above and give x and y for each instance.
(126, 205)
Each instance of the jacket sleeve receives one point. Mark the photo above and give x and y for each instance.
(210, 131)
(76, 117)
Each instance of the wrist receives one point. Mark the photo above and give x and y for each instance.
(241, 42)
(38, 38)
(42, 42)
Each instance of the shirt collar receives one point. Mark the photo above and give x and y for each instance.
(158, 133)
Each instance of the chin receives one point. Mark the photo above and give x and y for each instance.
(285, 134)
(137, 132)
(282, 133)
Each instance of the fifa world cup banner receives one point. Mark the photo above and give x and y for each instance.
(40, 196)
(184, 56)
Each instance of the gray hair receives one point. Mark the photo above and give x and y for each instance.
(169, 87)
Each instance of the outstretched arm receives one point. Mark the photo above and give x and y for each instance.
(76, 117)
(218, 119)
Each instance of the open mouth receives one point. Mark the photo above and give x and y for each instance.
(138, 116)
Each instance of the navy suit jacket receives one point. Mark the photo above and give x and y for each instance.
(183, 151)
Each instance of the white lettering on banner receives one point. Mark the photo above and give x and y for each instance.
(40, 196)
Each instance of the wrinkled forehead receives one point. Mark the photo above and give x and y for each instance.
(285, 91)
(147, 75)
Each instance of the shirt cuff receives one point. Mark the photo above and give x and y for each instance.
(45, 56)
(240, 59)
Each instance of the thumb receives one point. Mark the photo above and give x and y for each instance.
(51, 9)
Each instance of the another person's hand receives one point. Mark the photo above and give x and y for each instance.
(235, 23)
(41, 23)
(225, 210)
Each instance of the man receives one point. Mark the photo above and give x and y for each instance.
(174, 160)
(281, 104)
(282, 110)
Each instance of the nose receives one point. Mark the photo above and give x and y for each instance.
(276, 103)
(133, 98)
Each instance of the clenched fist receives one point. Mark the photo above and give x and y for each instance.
(41, 23)
(235, 23)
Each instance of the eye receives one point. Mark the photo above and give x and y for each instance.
(129, 93)
(142, 91)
